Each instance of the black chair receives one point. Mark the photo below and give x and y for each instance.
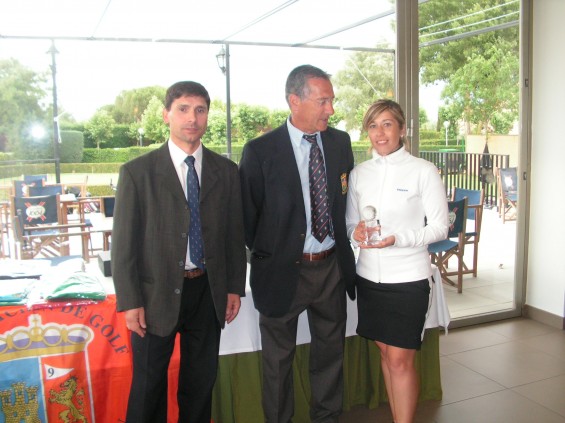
(35, 180)
(442, 251)
(108, 206)
(38, 228)
(38, 190)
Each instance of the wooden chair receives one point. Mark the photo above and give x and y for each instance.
(37, 227)
(86, 207)
(475, 204)
(507, 179)
(442, 251)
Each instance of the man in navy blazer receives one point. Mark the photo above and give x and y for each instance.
(291, 269)
(163, 289)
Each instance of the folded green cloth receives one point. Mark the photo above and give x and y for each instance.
(79, 285)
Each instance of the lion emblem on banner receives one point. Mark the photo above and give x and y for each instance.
(71, 398)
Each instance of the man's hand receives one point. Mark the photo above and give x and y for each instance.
(135, 320)
(234, 302)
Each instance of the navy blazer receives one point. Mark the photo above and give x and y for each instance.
(275, 217)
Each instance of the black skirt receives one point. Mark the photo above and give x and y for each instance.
(392, 313)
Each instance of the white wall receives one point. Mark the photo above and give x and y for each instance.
(497, 144)
(546, 263)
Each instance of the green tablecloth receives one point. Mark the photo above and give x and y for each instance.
(237, 394)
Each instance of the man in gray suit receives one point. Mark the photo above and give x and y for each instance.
(294, 187)
(178, 261)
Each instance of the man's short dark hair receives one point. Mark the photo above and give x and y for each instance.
(186, 88)
(297, 80)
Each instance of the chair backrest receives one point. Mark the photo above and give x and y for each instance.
(39, 210)
(39, 190)
(509, 180)
(457, 217)
(35, 180)
(474, 198)
(20, 189)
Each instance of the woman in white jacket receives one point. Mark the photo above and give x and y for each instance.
(405, 196)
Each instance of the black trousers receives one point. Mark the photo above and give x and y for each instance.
(199, 346)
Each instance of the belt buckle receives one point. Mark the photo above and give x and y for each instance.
(193, 273)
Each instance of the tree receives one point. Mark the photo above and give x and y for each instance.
(480, 72)
(455, 17)
(277, 118)
(22, 93)
(367, 76)
(99, 127)
(217, 127)
(130, 105)
(423, 117)
(484, 91)
(155, 129)
(249, 122)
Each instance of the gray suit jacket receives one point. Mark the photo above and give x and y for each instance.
(275, 217)
(149, 236)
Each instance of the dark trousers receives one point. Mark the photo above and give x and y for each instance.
(322, 293)
(199, 346)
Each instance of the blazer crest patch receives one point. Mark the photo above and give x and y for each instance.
(343, 179)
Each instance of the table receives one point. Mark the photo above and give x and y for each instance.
(83, 350)
(97, 222)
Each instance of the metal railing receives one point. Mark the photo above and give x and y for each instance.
(469, 171)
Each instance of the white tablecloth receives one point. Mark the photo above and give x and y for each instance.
(242, 335)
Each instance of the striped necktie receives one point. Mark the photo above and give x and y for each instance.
(319, 204)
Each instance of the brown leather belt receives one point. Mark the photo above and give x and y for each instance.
(318, 256)
(193, 273)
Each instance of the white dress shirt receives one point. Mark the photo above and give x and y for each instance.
(178, 156)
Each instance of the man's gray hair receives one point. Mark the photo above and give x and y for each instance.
(297, 81)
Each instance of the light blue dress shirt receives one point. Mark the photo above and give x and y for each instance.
(301, 149)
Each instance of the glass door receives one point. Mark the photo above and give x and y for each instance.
(469, 120)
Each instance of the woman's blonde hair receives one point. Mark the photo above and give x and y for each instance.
(381, 106)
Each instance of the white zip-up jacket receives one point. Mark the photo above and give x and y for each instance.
(407, 192)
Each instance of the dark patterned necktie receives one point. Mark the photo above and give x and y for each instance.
(321, 225)
(194, 230)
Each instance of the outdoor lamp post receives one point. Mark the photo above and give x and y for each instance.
(446, 125)
(223, 58)
(56, 138)
(141, 131)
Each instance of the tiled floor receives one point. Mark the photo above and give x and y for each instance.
(511, 371)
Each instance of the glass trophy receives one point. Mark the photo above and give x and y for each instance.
(372, 224)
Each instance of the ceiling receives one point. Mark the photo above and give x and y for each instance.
(355, 24)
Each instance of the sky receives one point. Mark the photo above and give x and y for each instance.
(91, 74)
